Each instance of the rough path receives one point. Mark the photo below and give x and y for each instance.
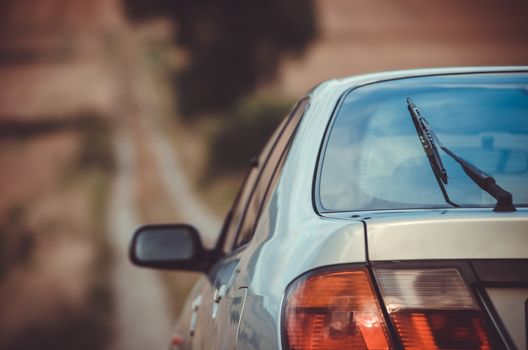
(142, 315)
(142, 319)
(169, 166)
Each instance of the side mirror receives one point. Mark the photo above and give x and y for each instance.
(176, 247)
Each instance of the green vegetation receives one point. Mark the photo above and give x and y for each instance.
(90, 327)
(95, 153)
(234, 46)
(17, 241)
(244, 132)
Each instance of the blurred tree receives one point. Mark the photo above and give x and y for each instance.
(234, 45)
(242, 135)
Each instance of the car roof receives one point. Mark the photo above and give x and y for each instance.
(363, 79)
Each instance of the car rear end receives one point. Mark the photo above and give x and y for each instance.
(440, 280)
(453, 279)
(444, 268)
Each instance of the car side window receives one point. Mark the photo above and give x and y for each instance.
(269, 168)
(238, 209)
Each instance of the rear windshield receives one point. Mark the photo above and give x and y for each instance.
(373, 158)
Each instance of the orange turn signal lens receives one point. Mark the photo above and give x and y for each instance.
(334, 310)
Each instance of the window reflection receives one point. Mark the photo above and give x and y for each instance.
(374, 160)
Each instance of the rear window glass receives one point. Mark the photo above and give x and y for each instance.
(373, 158)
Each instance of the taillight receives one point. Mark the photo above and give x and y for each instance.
(334, 310)
(433, 309)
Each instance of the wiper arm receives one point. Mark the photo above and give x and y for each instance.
(429, 147)
(484, 181)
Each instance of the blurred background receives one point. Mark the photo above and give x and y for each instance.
(120, 112)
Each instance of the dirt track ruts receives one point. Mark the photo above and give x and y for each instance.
(142, 313)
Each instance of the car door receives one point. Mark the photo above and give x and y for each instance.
(234, 294)
(209, 318)
(205, 304)
(227, 294)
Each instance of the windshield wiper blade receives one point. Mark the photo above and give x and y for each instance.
(484, 181)
(429, 147)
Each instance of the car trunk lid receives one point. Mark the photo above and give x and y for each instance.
(496, 246)
(447, 235)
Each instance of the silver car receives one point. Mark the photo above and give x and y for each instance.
(387, 211)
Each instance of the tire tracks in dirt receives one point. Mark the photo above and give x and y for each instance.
(142, 313)
(142, 318)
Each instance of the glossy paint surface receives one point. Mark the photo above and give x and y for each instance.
(291, 237)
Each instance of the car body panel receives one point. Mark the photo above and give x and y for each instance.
(291, 237)
(448, 234)
(188, 319)
(210, 324)
(269, 266)
(512, 306)
(277, 254)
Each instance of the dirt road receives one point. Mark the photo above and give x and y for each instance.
(142, 311)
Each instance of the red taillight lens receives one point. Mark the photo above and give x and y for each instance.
(334, 310)
(433, 309)
(441, 330)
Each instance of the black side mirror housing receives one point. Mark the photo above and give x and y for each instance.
(170, 247)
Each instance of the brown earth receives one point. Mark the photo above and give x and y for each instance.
(61, 59)
(56, 104)
(359, 36)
